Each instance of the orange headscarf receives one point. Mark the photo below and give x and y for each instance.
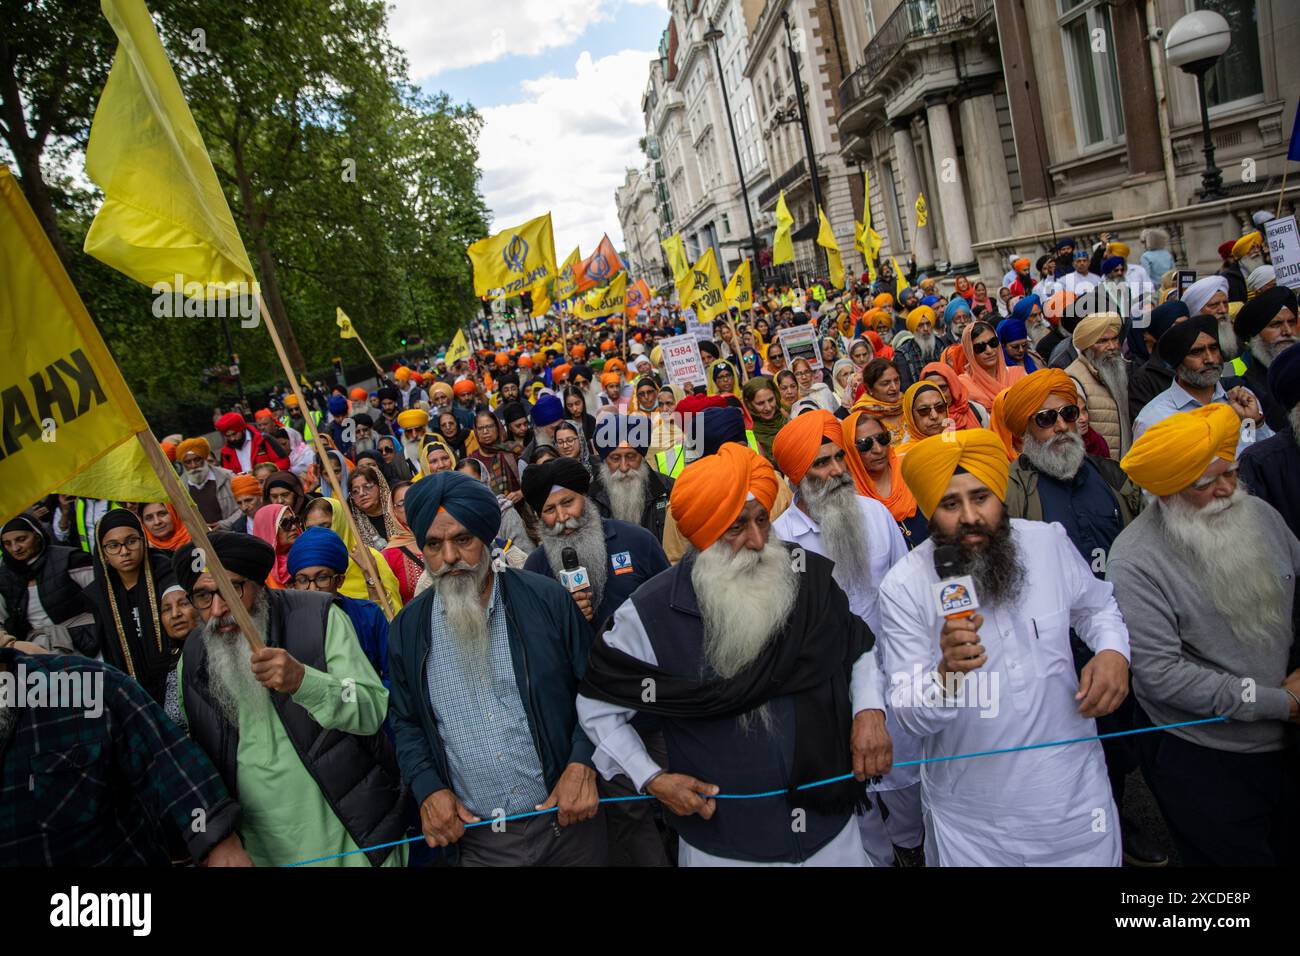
(900, 502)
(710, 493)
(959, 409)
(1013, 408)
(180, 534)
(796, 445)
(981, 386)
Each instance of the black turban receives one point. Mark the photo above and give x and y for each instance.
(538, 480)
(513, 411)
(361, 418)
(390, 392)
(615, 430)
(1256, 314)
(507, 378)
(1284, 377)
(1178, 341)
(1165, 315)
(117, 518)
(242, 554)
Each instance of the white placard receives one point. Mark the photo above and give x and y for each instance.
(682, 362)
(800, 342)
(1284, 250)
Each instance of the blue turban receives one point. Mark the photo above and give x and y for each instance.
(1011, 330)
(466, 499)
(548, 410)
(1111, 262)
(1284, 377)
(1063, 242)
(955, 305)
(929, 300)
(905, 293)
(1082, 253)
(318, 548)
(338, 406)
(722, 425)
(1021, 310)
(1165, 315)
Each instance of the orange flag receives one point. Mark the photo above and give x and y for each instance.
(638, 297)
(601, 266)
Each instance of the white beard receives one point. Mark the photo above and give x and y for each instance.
(1229, 347)
(199, 477)
(1221, 540)
(833, 504)
(1265, 352)
(626, 491)
(467, 619)
(1036, 333)
(1060, 456)
(1113, 372)
(926, 343)
(745, 598)
(588, 539)
(230, 675)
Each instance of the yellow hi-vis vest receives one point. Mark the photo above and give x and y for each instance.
(672, 460)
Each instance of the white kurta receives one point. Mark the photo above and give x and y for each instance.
(619, 748)
(1050, 806)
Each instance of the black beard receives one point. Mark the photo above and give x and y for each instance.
(998, 574)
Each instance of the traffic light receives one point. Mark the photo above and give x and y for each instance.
(526, 303)
(402, 337)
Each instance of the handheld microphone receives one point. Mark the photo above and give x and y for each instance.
(573, 575)
(954, 592)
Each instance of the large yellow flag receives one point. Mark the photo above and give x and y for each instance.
(124, 474)
(65, 404)
(346, 331)
(607, 301)
(707, 296)
(740, 290)
(675, 249)
(514, 260)
(541, 300)
(782, 244)
(458, 351)
(566, 283)
(826, 239)
(164, 213)
(900, 283)
(865, 239)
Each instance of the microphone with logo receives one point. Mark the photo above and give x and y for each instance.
(954, 592)
(575, 579)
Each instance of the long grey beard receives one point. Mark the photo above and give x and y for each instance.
(588, 539)
(230, 674)
(745, 599)
(199, 477)
(365, 444)
(833, 504)
(1266, 352)
(1222, 541)
(1036, 333)
(626, 491)
(467, 619)
(1228, 344)
(1113, 372)
(926, 344)
(999, 576)
(1060, 456)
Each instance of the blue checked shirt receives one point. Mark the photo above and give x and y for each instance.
(491, 758)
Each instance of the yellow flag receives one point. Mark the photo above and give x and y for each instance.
(866, 199)
(921, 212)
(458, 351)
(675, 249)
(124, 474)
(514, 260)
(740, 290)
(164, 214)
(601, 302)
(826, 239)
(900, 283)
(707, 296)
(346, 331)
(65, 404)
(541, 300)
(566, 283)
(782, 244)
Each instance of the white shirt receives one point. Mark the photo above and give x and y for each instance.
(1080, 284)
(1050, 806)
(887, 547)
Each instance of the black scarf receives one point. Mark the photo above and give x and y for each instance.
(811, 658)
(152, 653)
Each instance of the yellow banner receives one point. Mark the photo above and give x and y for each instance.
(124, 474)
(541, 300)
(782, 244)
(164, 213)
(346, 331)
(826, 239)
(675, 249)
(900, 283)
(606, 301)
(566, 283)
(458, 351)
(740, 290)
(707, 295)
(65, 404)
(922, 216)
(514, 260)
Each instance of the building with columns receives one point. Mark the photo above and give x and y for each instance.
(1024, 121)
(638, 215)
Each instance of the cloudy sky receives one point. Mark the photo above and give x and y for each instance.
(559, 85)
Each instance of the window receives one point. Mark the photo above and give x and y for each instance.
(1094, 79)
(1237, 75)
(726, 224)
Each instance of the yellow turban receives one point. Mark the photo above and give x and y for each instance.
(1014, 406)
(1088, 331)
(412, 418)
(1118, 249)
(1246, 244)
(198, 446)
(403, 374)
(931, 463)
(440, 393)
(657, 355)
(922, 313)
(883, 300)
(1175, 451)
(710, 493)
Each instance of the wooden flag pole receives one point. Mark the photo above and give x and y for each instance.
(735, 338)
(198, 529)
(365, 558)
(1281, 193)
(363, 346)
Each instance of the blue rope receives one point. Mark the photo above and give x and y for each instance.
(803, 786)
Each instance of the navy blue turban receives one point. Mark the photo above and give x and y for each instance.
(1011, 330)
(1112, 262)
(614, 430)
(538, 480)
(548, 410)
(1026, 305)
(338, 406)
(318, 548)
(1284, 377)
(722, 425)
(1165, 315)
(466, 499)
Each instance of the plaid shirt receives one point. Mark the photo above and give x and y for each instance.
(120, 788)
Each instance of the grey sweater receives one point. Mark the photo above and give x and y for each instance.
(1186, 662)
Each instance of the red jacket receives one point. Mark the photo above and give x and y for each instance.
(264, 449)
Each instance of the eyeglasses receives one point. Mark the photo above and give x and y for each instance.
(1047, 417)
(291, 521)
(386, 451)
(980, 347)
(565, 442)
(864, 444)
(320, 582)
(202, 598)
(116, 547)
(365, 486)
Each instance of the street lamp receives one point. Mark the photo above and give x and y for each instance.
(712, 37)
(1194, 44)
(803, 121)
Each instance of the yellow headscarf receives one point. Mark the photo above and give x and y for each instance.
(354, 579)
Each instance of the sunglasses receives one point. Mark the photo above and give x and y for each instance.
(980, 347)
(864, 444)
(1047, 417)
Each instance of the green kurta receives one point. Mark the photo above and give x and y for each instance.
(286, 817)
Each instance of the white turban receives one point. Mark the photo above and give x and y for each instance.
(1260, 277)
(1202, 291)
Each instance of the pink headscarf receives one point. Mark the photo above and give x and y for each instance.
(982, 387)
(266, 525)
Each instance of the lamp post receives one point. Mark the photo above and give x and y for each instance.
(1194, 44)
(712, 37)
(803, 122)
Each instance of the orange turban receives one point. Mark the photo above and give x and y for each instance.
(610, 378)
(169, 449)
(403, 374)
(245, 484)
(358, 394)
(291, 400)
(1015, 406)
(615, 365)
(263, 413)
(710, 493)
(197, 445)
(1175, 451)
(931, 463)
(883, 301)
(561, 372)
(464, 387)
(578, 351)
(525, 361)
(502, 359)
(796, 445)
